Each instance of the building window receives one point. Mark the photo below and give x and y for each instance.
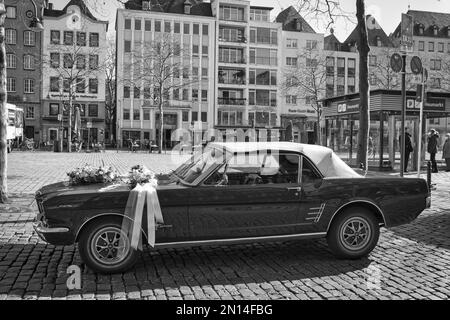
(28, 86)
(185, 116)
(81, 85)
(67, 61)
(53, 109)
(10, 12)
(126, 114)
(81, 62)
(291, 61)
(146, 114)
(311, 44)
(441, 47)
(194, 94)
(431, 46)
(29, 38)
(436, 83)
(29, 112)
(204, 116)
(127, 46)
(68, 38)
(93, 85)
(372, 60)
(435, 64)
(205, 30)
(373, 80)
(137, 93)
(204, 50)
(54, 84)
(290, 99)
(167, 27)
(291, 43)
(55, 37)
(94, 39)
(185, 94)
(186, 28)
(204, 72)
(176, 27)
(195, 50)
(137, 24)
(421, 45)
(93, 61)
(126, 92)
(128, 24)
(28, 62)
(204, 95)
(93, 110)
(11, 61)
(11, 84)
(196, 28)
(157, 26)
(81, 39)
(136, 114)
(148, 25)
(378, 41)
(10, 36)
(54, 59)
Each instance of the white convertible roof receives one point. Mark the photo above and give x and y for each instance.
(329, 164)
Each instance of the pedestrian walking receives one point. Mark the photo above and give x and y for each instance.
(433, 139)
(446, 151)
(408, 148)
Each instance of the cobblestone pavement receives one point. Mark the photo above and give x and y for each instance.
(410, 262)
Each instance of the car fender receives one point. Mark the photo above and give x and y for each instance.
(365, 202)
(102, 215)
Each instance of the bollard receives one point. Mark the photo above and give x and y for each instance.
(429, 174)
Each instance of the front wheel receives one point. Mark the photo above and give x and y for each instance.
(353, 233)
(105, 248)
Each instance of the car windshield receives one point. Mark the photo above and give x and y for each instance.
(200, 164)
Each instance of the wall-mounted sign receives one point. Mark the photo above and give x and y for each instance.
(431, 104)
(347, 107)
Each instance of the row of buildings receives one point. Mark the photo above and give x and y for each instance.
(241, 70)
(46, 66)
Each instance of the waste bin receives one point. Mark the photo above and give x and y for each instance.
(56, 146)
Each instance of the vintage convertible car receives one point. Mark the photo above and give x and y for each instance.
(235, 193)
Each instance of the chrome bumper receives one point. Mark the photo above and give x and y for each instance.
(40, 229)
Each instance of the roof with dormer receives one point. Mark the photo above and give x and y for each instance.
(198, 7)
(428, 20)
(374, 32)
(288, 18)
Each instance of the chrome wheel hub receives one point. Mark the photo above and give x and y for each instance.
(110, 245)
(355, 233)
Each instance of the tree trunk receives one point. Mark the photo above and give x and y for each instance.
(3, 116)
(364, 94)
(69, 133)
(319, 133)
(161, 124)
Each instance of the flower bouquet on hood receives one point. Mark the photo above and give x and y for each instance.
(90, 175)
(140, 175)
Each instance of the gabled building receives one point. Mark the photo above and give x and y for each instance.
(23, 52)
(74, 48)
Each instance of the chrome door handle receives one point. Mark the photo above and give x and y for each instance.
(163, 226)
(298, 189)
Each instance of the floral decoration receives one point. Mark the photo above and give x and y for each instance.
(140, 175)
(90, 175)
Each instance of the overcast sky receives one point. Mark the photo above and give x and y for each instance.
(387, 12)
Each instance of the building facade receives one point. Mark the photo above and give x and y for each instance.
(74, 48)
(191, 27)
(23, 52)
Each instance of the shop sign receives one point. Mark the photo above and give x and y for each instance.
(430, 104)
(344, 107)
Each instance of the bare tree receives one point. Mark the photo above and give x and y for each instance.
(382, 71)
(161, 67)
(3, 112)
(111, 92)
(331, 10)
(77, 68)
(307, 80)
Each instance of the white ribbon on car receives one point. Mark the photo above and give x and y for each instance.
(134, 210)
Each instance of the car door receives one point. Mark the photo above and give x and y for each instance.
(260, 198)
(313, 201)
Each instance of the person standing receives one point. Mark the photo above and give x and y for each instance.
(446, 151)
(408, 148)
(432, 149)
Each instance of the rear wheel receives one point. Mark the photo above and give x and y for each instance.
(353, 233)
(105, 248)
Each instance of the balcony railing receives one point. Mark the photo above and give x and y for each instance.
(232, 101)
(237, 61)
(233, 39)
(232, 81)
